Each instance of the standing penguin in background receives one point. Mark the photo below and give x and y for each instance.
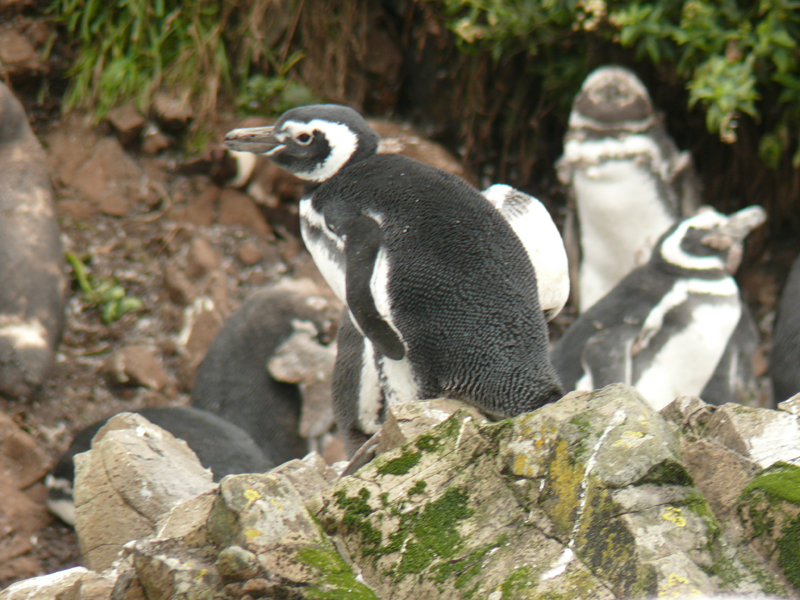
(628, 181)
(432, 274)
(665, 328)
(33, 289)
(784, 360)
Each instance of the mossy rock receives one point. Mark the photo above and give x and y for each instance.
(769, 509)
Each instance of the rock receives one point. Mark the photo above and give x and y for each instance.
(137, 365)
(114, 206)
(21, 465)
(180, 289)
(201, 259)
(154, 141)
(104, 174)
(32, 296)
(201, 210)
(769, 510)
(134, 474)
(21, 458)
(236, 208)
(17, 54)
(55, 586)
(173, 113)
(763, 436)
(402, 139)
(249, 254)
(792, 405)
(538, 503)
(406, 421)
(128, 123)
(202, 322)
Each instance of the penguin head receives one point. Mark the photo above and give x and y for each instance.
(611, 97)
(709, 241)
(312, 142)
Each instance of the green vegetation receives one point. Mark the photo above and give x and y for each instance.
(729, 54)
(129, 49)
(338, 581)
(106, 295)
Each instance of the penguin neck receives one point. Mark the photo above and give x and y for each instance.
(715, 271)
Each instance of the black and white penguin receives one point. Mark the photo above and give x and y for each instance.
(220, 446)
(233, 381)
(784, 361)
(32, 274)
(535, 228)
(626, 178)
(432, 274)
(666, 328)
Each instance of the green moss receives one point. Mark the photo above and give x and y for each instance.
(356, 512)
(434, 439)
(400, 465)
(385, 499)
(428, 533)
(699, 506)
(667, 473)
(789, 552)
(418, 488)
(468, 567)
(780, 482)
(515, 583)
(337, 581)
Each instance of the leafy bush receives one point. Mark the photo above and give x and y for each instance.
(730, 54)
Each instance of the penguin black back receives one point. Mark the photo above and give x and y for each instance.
(234, 383)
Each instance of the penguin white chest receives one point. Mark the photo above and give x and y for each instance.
(686, 362)
(621, 216)
(325, 248)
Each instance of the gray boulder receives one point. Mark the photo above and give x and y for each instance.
(32, 281)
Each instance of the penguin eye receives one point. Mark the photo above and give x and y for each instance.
(304, 138)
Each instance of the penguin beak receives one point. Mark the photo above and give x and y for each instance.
(258, 140)
(730, 236)
(736, 228)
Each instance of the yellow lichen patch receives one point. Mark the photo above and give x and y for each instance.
(631, 439)
(521, 466)
(677, 586)
(673, 515)
(251, 495)
(565, 480)
(252, 533)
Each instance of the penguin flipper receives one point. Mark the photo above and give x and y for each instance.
(362, 246)
(607, 357)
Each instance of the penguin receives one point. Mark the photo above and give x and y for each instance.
(432, 275)
(784, 362)
(667, 326)
(233, 381)
(32, 268)
(627, 181)
(535, 228)
(220, 446)
(355, 375)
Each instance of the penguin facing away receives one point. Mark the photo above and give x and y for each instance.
(355, 374)
(432, 275)
(626, 178)
(665, 328)
(784, 362)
